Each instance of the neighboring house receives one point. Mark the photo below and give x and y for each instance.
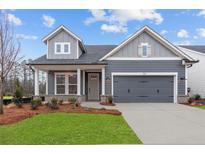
(196, 74)
(143, 68)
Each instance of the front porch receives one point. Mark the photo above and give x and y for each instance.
(86, 82)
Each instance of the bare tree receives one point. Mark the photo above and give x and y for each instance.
(9, 51)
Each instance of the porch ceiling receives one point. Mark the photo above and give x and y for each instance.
(67, 67)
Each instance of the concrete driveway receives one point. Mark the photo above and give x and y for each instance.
(165, 123)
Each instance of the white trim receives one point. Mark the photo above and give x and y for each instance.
(151, 58)
(186, 79)
(142, 45)
(83, 82)
(103, 81)
(78, 81)
(157, 36)
(174, 74)
(66, 82)
(61, 27)
(36, 82)
(62, 44)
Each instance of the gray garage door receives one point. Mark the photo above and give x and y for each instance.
(143, 89)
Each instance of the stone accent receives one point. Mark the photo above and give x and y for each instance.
(104, 98)
(183, 99)
(64, 97)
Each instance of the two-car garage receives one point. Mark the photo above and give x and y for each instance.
(144, 88)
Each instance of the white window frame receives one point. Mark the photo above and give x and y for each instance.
(147, 46)
(66, 82)
(62, 44)
(72, 84)
(59, 84)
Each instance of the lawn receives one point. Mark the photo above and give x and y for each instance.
(69, 128)
(201, 107)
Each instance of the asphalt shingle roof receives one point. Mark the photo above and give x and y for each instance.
(199, 48)
(92, 56)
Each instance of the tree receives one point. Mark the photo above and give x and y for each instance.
(9, 51)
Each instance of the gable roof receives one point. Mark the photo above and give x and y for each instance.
(158, 37)
(62, 27)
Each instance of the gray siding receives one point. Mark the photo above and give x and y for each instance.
(62, 36)
(145, 66)
(131, 49)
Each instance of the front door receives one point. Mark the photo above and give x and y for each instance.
(93, 86)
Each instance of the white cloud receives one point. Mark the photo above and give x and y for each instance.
(120, 18)
(182, 34)
(195, 37)
(26, 37)
(201, 32)
(48, 21)
(201, 13)
(13, 19)
(113, 28)
(163, 32)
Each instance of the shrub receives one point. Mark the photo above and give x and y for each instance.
(73, 100)
(53, 104)
(60, 102)
(34, 104)
(18, 93)
(190, 100)
(110, 99)
(18, 102)
(197, 97)
(39, 101)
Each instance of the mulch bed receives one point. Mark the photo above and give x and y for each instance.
(14, 114)
(107, 104)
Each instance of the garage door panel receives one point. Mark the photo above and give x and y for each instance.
(143, 89)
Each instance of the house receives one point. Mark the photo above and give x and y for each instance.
(196, 75)
(143, 68)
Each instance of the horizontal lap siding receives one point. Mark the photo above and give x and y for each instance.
(146, 66)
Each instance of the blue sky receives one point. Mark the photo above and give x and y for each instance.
(105, 26)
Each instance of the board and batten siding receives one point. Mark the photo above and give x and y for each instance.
(145, 66)
(62, 36)
(131, 49)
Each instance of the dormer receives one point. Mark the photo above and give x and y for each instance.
(63, 44)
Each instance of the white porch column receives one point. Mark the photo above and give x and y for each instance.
(103, 81)
(78, 81)
(83, 82)
(46, 83)
(36, 83)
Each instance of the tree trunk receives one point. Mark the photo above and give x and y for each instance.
(1, 96)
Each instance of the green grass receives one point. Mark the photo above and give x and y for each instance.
(7, 97)
(69, 128)
(201, 107)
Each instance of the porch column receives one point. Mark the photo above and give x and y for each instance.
(103, 81)
(36, 83)
(83, 82)
(78, 81)
(46, 82)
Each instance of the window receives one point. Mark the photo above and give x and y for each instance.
(144, 50)
(66, 83)
(60, 84)
(72, 84)
(62, 48)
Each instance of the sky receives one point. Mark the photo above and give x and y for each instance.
(185, 27)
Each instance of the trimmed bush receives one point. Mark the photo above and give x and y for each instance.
(60, 102)
(53, 104)
(110, 99)
(34, 104)
(197, 97)
(73, 100)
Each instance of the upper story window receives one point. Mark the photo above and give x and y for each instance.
(144, 50)
(62, 48)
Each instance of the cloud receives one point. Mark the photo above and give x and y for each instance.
(48, 21)
(113, 28)
(26, 37)
(13, 19)
(201, 32)
(182, 34)
(163, 32)
(201, 13)
(120, 18)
